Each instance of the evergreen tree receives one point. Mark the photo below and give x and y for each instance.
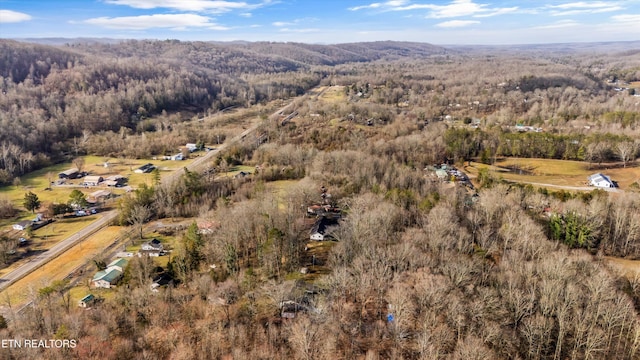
(31, 201)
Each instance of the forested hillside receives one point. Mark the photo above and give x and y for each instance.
(412, 266)
(56, 97)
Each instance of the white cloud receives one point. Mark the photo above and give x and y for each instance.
(246, 14)
(299, 30)
(363, 7)
(583, 5)
(630, 18)
(295, 22)
(214, 6)
(9, 16)
(457, 23)
(142, 22)
(500, 11)
(559, 25)
(457, 8)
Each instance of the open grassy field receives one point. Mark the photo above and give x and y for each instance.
(37, 181)
(555, 172)
(62, 266)
(47, 236)
(333, 94)
(235, 170)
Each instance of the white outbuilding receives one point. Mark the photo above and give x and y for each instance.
(601, 181)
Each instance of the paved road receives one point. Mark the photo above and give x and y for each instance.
(108, 216)
(39, 260)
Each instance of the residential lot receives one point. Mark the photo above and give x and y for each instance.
(556, 172)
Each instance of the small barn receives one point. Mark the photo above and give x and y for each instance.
(87, 301)
(69, 174)
(100, 195)
(114, 181)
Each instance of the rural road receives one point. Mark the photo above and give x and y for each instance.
(565, 187)
(39, 260)
(107, 217)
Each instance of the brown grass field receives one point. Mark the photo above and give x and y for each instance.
(629, 268)
(333, 94)
(556, 172)
(61, 266)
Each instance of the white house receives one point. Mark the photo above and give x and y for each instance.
(119, 264)
(153, 245)
(319, 230)
(601, 181)
(23, 225)
(191, 147)
(92, 180)
(108, 277)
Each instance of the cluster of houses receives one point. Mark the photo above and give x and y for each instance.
(523, 128)
(446, 172)
(190, 147)
(153, 248)
(33, 224)
(327, 217)
(91, 180)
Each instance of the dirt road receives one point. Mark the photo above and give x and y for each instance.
(565, 187)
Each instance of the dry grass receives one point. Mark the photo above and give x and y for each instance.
(554, 172)
(235, 170)
(333, 94)
(626, 267)
(62, 265)
(280, 189)
(37, 181)
(47, 236)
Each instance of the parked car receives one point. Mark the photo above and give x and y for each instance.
(81, 213)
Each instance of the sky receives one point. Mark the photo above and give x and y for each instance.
(468, 22)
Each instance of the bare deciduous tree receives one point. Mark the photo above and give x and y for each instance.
(627, 151)
(139, 215)
(78, 163)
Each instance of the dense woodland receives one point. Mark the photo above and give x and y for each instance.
(506, 272)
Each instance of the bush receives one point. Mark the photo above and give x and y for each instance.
(6, 208)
